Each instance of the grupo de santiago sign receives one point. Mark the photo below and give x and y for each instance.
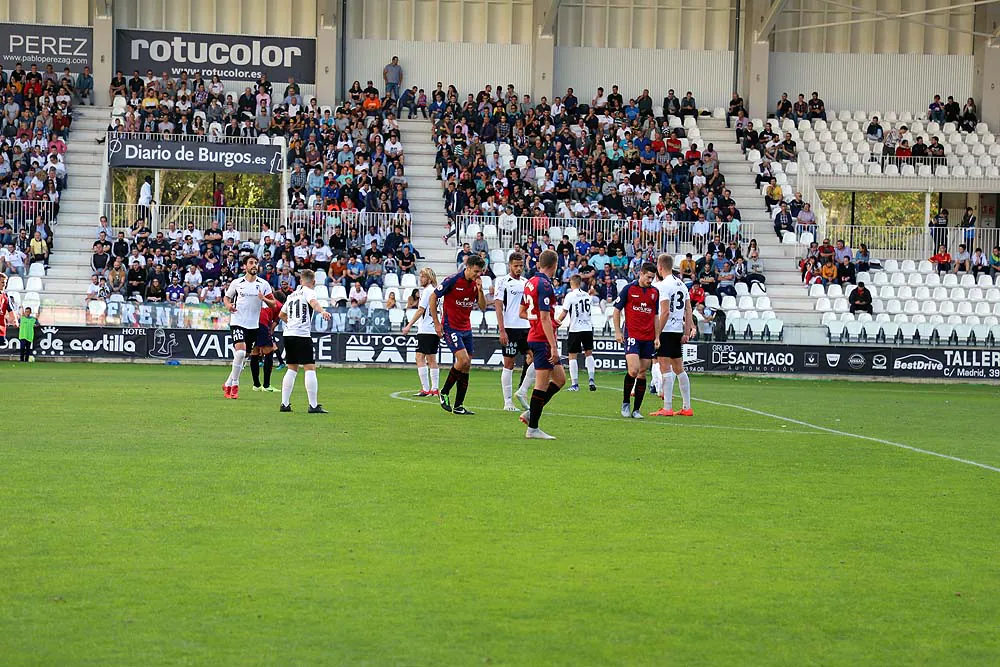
(133, 152)
(233, 57)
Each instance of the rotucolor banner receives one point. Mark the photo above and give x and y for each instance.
(397, 349)
(33, 44)
(232, 57)
(131, 151)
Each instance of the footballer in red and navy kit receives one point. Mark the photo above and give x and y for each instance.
(640, 303)
(537, 304)
(459, 294)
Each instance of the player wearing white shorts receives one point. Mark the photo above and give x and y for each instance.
(676, 325)
(427, 338)
(507, 293)
(244, 298)
(297, 316)
(576, 306)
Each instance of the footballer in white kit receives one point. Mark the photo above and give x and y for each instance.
(427, 338)
(577, 306)
(297, 314)
(677, 324)
(244, 299)
(507, 293)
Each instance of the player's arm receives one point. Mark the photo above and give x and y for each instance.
(498, 306)
(482, 295)
(689, 327)
(227, 298)
(661, 321)
(434, 313)
(413, 320)
(317, 308)
(283, 313)
(617, 315)
(545, 316)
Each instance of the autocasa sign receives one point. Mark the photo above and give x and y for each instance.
(239, 57)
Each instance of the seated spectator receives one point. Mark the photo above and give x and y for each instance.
(773, 196)
(38, 250)
(846, 271)
(962, 260)
(828, 272)
(783, 221)
(13, 261)
(970, 116)
(935, 110)
(980, 263)
(942, 260)
(705, 318)
(862, 258)
(817, 109)
(825, 251)
(94, 288)
(156, 293)
(755, 269)
(465, 252)
(726, 281)
(994, 261)
(841, 251)
(860, 300)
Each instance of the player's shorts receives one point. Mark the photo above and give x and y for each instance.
(428, 343)
(264, 344)
(644, 348)
(517, 343)
(459, 340)
(540, 351)
(244, 335)
(580, 341)
(299, 350)
(670, 345)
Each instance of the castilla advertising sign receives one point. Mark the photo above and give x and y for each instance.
(134, 152)
(230, 57)
(32, 44)
(168, 343)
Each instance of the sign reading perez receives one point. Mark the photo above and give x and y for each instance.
(62, 45)
(133, 152)
(239, 57)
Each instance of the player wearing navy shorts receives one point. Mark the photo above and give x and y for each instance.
(261, 354)
(640, 303)
(537, 304)
(459, 294)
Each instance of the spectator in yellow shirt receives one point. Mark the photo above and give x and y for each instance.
(38, 249)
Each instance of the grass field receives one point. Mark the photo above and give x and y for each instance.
(148, 521)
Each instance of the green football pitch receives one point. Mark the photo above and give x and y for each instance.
(145, 520)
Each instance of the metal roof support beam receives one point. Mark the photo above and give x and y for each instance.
(550, 11)
(770, 19)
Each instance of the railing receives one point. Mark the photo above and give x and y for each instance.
(914, 243)
(21, 213)
(206, 138)
(250, 222)
(686, 237)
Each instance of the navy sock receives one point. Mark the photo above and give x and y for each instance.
(640, 391)
(538, 399)
(627, 392)
(463, 386)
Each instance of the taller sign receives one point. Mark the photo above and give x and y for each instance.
(232, 57)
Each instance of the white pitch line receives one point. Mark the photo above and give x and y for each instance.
(664, 422)
(869, 438)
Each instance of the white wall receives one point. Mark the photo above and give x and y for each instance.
(872, 82)
(468, 66)
(708, 74)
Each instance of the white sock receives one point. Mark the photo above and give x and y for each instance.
(591, 365)
(668, 389)
(312, 388)
(529, 381)
(507, 384)
(574, 371)
(685, 383)
(287, 384)
(657, 377)
(239, 356)
(422, 372)
(435, 377)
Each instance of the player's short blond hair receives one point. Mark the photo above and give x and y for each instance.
(547, 259)
(307, 276)
(665, 262)
(431, 276)
(575, 281)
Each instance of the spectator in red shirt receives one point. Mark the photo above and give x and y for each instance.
(942, 259)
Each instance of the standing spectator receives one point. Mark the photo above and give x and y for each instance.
(392, 74)
(219, 201)
(860, 299)
(969, 221)
(939, 227)
(145, 198)
(26, 334)
(735, 107)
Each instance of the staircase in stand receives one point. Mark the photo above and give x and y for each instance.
(69, 264)
(788, 297)
(426, 198)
